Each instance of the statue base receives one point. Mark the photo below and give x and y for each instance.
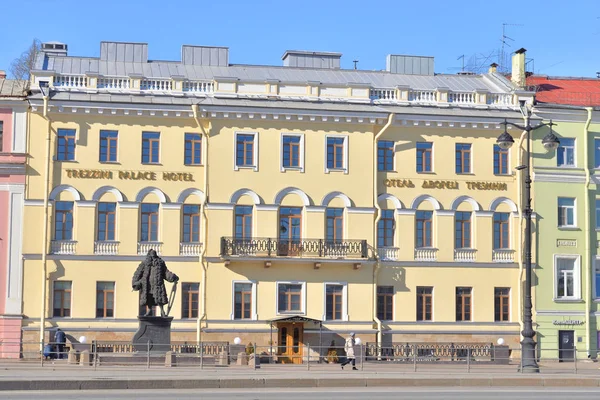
(154, 334)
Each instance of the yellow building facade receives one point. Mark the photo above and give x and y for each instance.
(296, 203)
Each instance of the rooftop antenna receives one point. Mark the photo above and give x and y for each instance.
(504, 40)
(463, 61)
(355, 62)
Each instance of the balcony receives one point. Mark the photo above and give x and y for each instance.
(388, 253)
(106, 247)
(190, 249)
(301, 248)
(503, 256)
(145, 247)
(465, 255)
(426, 254)
(63, 247)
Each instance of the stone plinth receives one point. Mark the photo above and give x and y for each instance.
(155, 331)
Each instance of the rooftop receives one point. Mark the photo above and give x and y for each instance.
(565, 90)
(13, 88)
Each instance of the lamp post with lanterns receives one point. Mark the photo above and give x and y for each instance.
(550, 142)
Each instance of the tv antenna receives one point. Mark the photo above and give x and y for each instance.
(463, 61)
(505, 43)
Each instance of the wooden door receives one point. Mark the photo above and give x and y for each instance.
(291, 342)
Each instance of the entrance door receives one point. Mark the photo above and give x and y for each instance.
(291, 343)
(566, 346)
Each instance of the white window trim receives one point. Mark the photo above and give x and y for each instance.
(302, 301)
(301, 150)
(576, 277)
(574, 213)
(345, 162)
(254, 316)
(574, 165)
(254, 156)
(344, 300)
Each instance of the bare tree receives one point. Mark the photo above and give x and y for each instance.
(21, 67)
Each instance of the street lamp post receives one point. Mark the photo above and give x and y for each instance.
(550, 142)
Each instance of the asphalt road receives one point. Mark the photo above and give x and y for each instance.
(318, 394)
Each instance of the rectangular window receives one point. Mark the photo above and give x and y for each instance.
(108, 146)
(189, 298)
(567, 278)
(463, 158)
(291, 151)
(597, 153)
(61, 301)
(63, 220)
(385, 229)
(149, 227)
(150, 147)
(193, 149)
(462, 230)
(65, 145)
(566, 211)
(105, 299)
(334, 224)
(335, 152)
(244, 150)
(243, 301)
(1, 135)
(597, 213)
(597, 280)
(501, 304)
(424, 228)
(385, 155)
(424, 157)
(565, 154)
(106, 221)
(290, 231)
(243, 222)
(501, 230)
(500, 160)
(334, 302)
(385, 303)
(191, 223)
(463, 304)
(424, 303)
(290, 297)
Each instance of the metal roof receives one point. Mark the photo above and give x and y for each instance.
(13, 88)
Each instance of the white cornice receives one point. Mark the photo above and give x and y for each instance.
(559, 177)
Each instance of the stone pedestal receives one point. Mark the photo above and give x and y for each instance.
(170, 359)
(153, 330)
(501, 355)
(242, 358)
(254, 361)
(73, 357)
(85, 358)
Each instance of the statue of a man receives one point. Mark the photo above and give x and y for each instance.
(149, 280)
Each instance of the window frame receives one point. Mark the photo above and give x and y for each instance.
(596, 287)
(576, 277)
(382, 221)
(500, 152)
(254, 312)
(150, 148)
(254, 165)
(302, 310)
(344, 296)
(337, 219)
(423, 158)
(192, 142)
(463, 223)
(104, 293)
(244, 221)
(190, 294)
(460, 151)
(386, 156)
(64, 221)
(597, 214)
(107, 225)
(344, 167)
(62, 308)
(558, 209)
(141, 214)
(561, 147)
(417, 219)
(66, 153)
(383, 316)
(596, 153)
(423, 308)
(501, 298)
(462, 297)
(109, 140)
(301, 157)
(191, 216)
(501, 231)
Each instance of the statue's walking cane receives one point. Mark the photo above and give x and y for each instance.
(172, 298)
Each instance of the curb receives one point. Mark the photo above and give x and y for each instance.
(108, 384)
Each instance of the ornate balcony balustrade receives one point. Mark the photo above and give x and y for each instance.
(106, 247)
(190, 249)
(465, 255)
(426, 254)
(306, 248)
(388, 253)
(144, 247)
(63, 247)
(503, 256)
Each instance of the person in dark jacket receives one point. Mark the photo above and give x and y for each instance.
(149, 280)
(60, 340)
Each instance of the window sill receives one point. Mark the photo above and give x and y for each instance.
(194, 165)
(110, 162)
(566, 166)
(294, 169)
(426, 172)
(291, 313)
(465, 173)
(67, 161)
(329, 170)
(568, 300)
(568, 228)
(506, 175)
(253, 167)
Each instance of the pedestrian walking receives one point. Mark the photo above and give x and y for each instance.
(60, 340)
(349, 348)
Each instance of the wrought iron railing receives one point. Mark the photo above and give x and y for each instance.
(208, 348)
(268, 247)
(428, 351)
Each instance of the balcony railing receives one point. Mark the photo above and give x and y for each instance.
(71, 81)
(388, 253)
(63, 247)
(145, 247)
(190, 249)
(503, 255)
(106, 248)
(383, 94)
(307, 248)
(426, 254)
(465, 255)
(113, 83)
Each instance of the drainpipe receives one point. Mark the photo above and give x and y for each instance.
(520, 240)
(45, 228)
(203, 261)
(588, 259)
(377, 218)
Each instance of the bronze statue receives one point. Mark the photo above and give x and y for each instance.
(149, 280)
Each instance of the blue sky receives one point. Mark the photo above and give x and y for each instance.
(562, 37)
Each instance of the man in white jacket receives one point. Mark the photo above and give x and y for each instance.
(349, 348)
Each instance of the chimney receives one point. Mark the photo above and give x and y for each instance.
(493, 68)
(518, 68)
(2, 74)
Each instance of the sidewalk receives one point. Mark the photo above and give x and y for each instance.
(21, 376)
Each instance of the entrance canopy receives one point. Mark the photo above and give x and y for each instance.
(294, 318)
